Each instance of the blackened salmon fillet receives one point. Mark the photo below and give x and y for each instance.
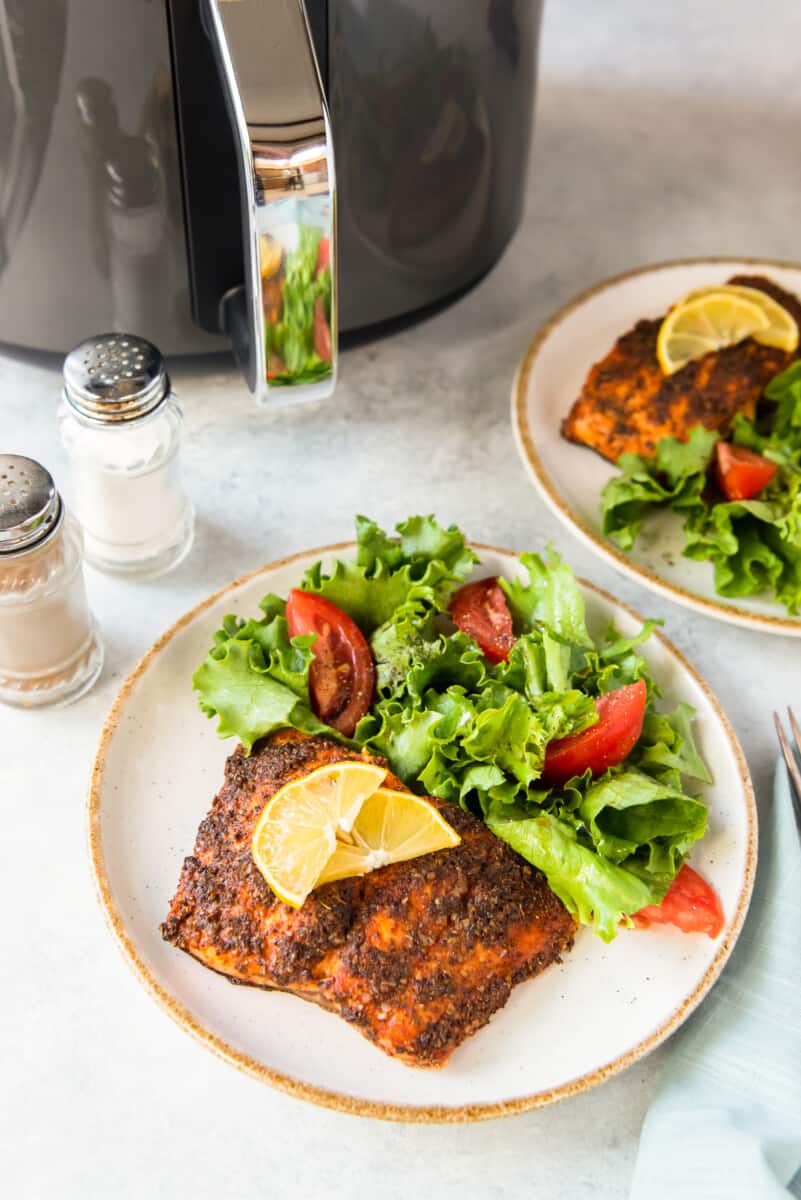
(417, 955)
(627, 403)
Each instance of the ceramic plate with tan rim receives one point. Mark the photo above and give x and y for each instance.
(570, 477)
(160, 763)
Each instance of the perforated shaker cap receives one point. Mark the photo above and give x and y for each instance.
(115, 377)
(30, 507)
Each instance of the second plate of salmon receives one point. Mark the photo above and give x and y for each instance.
(715, 387)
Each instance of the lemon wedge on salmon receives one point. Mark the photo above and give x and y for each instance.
(710, 322)
(710, 318)
(391, 827)
(782, 328)
(338, 822)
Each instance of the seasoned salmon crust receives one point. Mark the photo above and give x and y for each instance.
(417, 955)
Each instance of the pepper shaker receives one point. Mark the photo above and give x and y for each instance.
(121, 426)
(50, 652)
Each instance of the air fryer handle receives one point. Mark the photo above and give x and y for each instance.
(283, 319)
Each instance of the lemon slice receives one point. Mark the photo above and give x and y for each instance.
(297, 833)
(391, 827)
(782, 329)
(695, 327)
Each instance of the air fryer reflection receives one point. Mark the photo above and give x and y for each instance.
(296, 295)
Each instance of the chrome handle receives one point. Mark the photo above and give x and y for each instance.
(285, 319)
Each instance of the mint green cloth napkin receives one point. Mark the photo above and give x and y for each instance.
(725, 1123)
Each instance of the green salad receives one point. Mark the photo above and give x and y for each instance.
(754, 544)
(455, 725)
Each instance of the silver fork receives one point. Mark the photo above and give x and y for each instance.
(791, 761)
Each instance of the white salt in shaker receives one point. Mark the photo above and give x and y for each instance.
(49, 649)
(121, 427)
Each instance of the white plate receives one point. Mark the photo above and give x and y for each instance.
(570, 477)
(158, 766)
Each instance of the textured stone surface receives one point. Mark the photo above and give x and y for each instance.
(663, 131)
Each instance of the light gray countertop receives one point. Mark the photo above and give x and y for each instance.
(663, 131)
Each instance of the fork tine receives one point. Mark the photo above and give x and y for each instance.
(792, 765)
(794, 726)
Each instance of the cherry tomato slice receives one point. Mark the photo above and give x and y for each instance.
(740, 473)
(480, 610)
(620, 718)
(690, 903)
(342, 673)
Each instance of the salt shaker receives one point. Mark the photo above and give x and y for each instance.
(50, 652)
(121, 427)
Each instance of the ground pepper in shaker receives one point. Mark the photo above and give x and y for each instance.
(121, 427)
(50, 652)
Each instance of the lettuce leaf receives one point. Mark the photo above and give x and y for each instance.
(784, 390)
(424, 566)
(616, 664)
(676, 475)
(667, 743)
(550, 598)
(628, 813)
(754, 545)
(255, 678)
(597, 892)
(551, 603)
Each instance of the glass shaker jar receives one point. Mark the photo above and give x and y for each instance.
(50, 652)
(121, 426)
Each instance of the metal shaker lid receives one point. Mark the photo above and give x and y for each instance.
(30, 507)
(115, 377)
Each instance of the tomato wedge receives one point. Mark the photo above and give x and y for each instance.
(620, 718)
(690, 903)
(740, 473)
(342, 672)
(480, 610)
